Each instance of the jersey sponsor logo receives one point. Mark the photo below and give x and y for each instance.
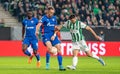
(50, 24)
(74, 31)
(31, 27)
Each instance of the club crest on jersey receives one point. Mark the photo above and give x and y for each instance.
(53, 19)
(25, 21)
(32, 21)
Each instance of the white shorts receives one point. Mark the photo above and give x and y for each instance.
(81, 45)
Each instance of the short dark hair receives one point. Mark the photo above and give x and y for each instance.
(50, 7)
(72, 16)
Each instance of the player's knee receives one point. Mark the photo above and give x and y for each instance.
(35, 51)
(58, 49)
(24, 47)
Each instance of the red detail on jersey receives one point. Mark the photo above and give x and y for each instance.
(42, 29)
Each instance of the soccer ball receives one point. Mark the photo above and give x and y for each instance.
(54, 50)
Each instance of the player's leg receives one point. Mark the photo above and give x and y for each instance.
(75, 57)
(37, 55)
(90, 54)
(74, 60)
(59, 57)
(25, 45)
(56, 43)
(47, 59)
(85, 48)
(34, 44)
(49, 46)
(75, 51)
(46, 41)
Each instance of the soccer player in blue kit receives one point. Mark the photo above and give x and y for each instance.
(29, 37)
(49, 38)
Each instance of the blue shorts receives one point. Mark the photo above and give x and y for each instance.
(47, 37)
(30, 41)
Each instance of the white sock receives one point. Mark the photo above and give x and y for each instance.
(75, 61)
(95, 56)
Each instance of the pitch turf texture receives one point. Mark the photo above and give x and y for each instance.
(86, 65)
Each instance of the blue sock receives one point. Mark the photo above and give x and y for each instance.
(27, 53)
(47, 57)
(37, 56)
(59, 57)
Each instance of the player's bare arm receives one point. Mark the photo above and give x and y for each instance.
(93, 32)
(23, 32)
(55, 32)
(59, 27)
(53, 37)
(37, 29)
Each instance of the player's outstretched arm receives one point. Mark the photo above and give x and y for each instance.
(59, 27)
(62, 25)
(93, 32)
(55, 32)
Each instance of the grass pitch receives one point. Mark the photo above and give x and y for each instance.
(86, 65)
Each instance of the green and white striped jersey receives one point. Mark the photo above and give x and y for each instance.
(75, 29)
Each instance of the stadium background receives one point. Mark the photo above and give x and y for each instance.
(102, 15)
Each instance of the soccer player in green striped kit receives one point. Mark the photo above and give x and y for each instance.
(75, 26)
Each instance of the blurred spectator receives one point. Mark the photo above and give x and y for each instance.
(101, 23)
(111, 20)
(79, 2)
(39, 13)
(102, 35)
(117, 23)
(95, 22)
(13, 6)
(96, 10)
(107, 24)
(6, 5)
(82, 11)
(88, 21)
(21, 11)
(62, 19)
(57, 10)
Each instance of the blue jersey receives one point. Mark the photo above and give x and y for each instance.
(47, 28)
(48, 24)
(30, 27)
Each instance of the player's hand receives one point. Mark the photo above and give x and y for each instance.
(53, 37)
(37, 33)
(98, 38)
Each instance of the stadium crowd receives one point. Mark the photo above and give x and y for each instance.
(96, 13)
